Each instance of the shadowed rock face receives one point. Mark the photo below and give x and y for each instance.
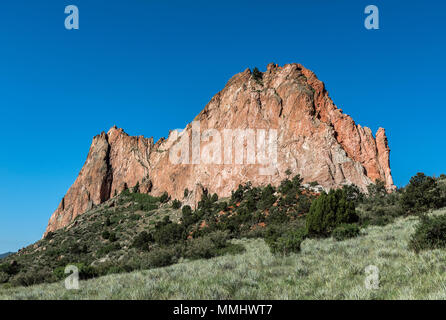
(314, 139)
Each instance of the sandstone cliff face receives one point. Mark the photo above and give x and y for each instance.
(312, 137)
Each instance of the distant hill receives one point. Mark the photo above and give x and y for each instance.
(4, 255)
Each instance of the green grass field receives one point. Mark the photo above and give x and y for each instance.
(325, 269)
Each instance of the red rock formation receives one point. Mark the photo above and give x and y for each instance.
(314, 139)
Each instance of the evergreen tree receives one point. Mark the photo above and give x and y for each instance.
(329, 211)
(136, 188)
(421, 194)
(257, 75)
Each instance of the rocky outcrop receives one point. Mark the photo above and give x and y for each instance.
(115, 160)
(288, 106)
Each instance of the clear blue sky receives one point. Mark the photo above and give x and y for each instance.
(150, 66)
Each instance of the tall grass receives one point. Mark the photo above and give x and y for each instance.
(324, 269)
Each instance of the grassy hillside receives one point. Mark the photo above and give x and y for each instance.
(101, 236)
(324, 269)
(135, 231)
(288, 241)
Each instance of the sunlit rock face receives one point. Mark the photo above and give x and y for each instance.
(286, 107)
